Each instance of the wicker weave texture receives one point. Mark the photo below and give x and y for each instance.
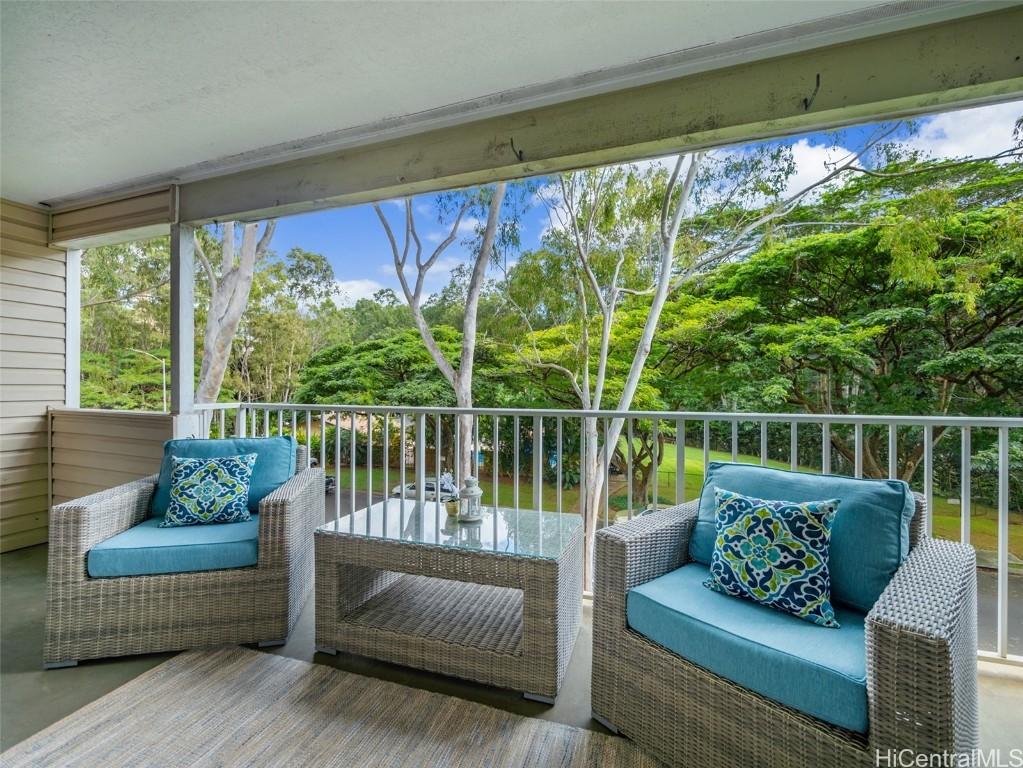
(495, 618)
(89, 618)
(921, 664)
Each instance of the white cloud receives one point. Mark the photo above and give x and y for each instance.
(813, 162)
(353, 290)
(976, 132)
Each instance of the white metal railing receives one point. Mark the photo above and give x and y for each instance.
(554, 442)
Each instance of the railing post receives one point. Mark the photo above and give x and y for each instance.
(239, 422)
(680, 461)
(421, 459)
(1003, 541)
(965, 470)
(537, 462)
(858, 443)
(929, 477)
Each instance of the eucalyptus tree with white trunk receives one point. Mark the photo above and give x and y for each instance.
(409, 257)
(619, 230)
(229, 288)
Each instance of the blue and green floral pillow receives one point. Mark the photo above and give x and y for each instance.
(775, 553)
(212, 490)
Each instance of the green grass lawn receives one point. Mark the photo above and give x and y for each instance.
(946, 516)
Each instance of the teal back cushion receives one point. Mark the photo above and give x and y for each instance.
(275, 463)
(869, 535)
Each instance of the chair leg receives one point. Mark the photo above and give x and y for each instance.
(326, 649)
(60, 664)
(603, 722)
(271, 643)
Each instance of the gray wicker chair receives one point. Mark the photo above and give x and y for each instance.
(89, 618)
(921, 647)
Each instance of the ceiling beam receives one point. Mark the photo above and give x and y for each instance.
(958, 63)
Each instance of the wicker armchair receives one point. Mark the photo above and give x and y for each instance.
(89, 618)
(921, 646)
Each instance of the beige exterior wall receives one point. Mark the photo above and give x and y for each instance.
(32, 368)
(94, 449)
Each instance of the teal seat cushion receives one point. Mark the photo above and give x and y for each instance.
(869, 535)
(148, 549)
(275, 464)
(817, 670)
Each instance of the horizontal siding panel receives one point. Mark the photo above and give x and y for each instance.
(37, 328)
(156, 427)
(34, 360)
(69, 490)
(138, 466)
(31, 504)
(11, 424)
(114, 216)
(15, 491)
(10, 247)
(29, 279)
(18, 475)
(120, 446)
(10, 342)
(21, 409)
(25, 539)
(31, 522)
(15, 393)
(24, 311)
(23, 442)
(14, 230)
(32, 364)
(37, 218)
(35, 376)
(23, 458)
(31, 295)
(104, 478)
(39, 265)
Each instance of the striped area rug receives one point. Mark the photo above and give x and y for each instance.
(238, 707)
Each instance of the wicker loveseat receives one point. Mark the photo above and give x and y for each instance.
(90, 618)
(920, 643)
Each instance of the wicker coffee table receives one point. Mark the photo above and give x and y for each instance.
(498, 601)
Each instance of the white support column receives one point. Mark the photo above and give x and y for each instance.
(73, 329)
(182, 301)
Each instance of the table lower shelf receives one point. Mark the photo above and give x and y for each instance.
(475, 616)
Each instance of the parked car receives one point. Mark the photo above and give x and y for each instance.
(448, 489)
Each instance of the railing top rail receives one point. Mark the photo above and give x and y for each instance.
(786, 418)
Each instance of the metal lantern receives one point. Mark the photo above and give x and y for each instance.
(470, 501)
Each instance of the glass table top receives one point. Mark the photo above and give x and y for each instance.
(522, 532)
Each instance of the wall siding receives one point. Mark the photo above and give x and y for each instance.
(94, 450)
(32, 368)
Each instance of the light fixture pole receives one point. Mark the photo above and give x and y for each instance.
(163, 364)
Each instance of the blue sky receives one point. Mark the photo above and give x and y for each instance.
(354, 242)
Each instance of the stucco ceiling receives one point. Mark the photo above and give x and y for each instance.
(100, 95)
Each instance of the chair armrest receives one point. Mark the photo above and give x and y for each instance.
(626, 555)
(79, 525)
(631, 553)
(645, 547)
(921, 639)
(288, 517)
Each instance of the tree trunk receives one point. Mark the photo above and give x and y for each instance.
(229, 296)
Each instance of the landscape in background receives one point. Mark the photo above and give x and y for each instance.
(873, 270)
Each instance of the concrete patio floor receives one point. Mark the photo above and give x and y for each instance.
(31, 698)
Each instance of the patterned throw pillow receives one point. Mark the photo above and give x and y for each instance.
(212, 490)
(775, 553)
